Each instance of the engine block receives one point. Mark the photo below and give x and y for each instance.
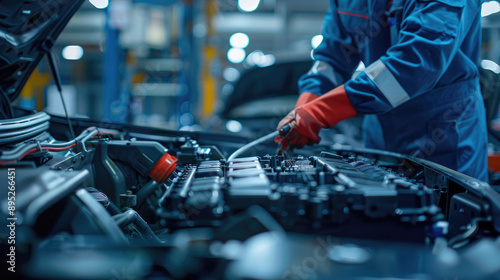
(326, 194)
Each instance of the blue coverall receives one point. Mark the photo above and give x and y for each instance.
(420, 92)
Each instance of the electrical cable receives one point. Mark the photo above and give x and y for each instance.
(36, 149)
(23, 122)
(22, 151)
(23, 128)
(19, 135)
(469, 233)
(283, 131)
(17, 132)
(33, 150)
(252, 144)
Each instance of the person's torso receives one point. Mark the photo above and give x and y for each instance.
(374, 26)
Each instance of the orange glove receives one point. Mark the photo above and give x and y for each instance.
(308, 120)
(304, 98)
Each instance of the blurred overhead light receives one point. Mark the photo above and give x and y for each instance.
(490, 65)
(200, 30)
(248, 5)
(236, 55)
(100, 4)
(231, 74)
(260, 59)
(72, 52)
(266, 60)
(253, 57)
(489, 8)
(239, 40)
(186, 119)
(234, 126)
(316, 40)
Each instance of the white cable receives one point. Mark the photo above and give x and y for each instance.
(252, 144)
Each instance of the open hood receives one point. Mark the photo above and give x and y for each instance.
(28, 29)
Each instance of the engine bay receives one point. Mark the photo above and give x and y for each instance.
(109, 200)
(147, 205)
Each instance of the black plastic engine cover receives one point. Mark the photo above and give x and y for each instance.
(329, 194)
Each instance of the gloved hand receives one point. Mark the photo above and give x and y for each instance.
(307, 120)
(305, 98)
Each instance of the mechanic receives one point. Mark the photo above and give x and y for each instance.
(420, 92)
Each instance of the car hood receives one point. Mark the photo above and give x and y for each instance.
(28, 29)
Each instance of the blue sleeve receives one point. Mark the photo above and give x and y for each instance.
(336, 58)
(431, 33)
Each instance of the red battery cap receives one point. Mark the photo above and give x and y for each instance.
(163, 168)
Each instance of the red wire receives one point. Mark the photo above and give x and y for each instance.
(50, 149)
(58, 149)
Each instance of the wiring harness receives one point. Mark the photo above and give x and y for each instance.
(23, 128)
(22, 150)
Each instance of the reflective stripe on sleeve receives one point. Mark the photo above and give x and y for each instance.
(387, 83)
(325, 69)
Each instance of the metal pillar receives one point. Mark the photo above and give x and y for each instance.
(189, 56)
(210, 55)
(111, 74)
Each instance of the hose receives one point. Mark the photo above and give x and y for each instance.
(282, 131)
(252, 144)
(145, 192)
(131, 217)
(113, 209)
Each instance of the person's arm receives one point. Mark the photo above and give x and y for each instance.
(430, 36)
(335, 60)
